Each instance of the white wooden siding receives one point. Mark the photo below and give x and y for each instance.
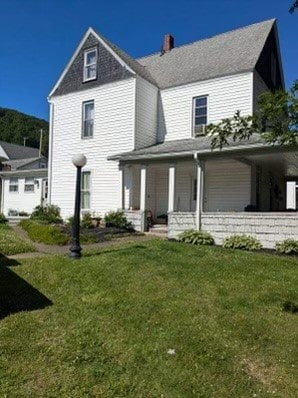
(225, 96)
(21, 200)
(227, 185)
(113, 133)
(146, 114)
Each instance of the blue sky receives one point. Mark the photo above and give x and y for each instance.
(37, 37)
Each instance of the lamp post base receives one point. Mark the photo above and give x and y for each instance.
(75, 252)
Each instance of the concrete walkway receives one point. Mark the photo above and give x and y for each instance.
(45, 250)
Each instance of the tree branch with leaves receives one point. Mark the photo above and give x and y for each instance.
(276, 121)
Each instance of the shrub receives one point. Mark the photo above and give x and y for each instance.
(23, 214)
(196, 237)
(117, 219)
(43, 233)
(86, 221)
(49, 214)
(288, 246)
(2, 218)
(242, 242)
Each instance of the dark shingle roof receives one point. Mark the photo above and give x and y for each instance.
(187, 147)
(14, 151)
(19, 163)
(225, 54)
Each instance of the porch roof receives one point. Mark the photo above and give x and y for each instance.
(189, 147)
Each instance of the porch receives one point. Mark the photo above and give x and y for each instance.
(237, 191)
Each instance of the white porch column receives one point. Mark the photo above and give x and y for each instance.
(143, 187)
(200, 192)
(171, 191)
(128, 186)
(291, 194)
(121, 187)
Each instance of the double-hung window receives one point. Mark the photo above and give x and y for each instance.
(13, 184)
(29, 184)
(90, 59)
(88, 119)
(85, 190)
(200, 114)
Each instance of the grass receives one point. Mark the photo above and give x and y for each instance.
(11, 244)
(44, 233)
(116, 314)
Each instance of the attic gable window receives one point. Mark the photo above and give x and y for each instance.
(199, 115)
(90, 59)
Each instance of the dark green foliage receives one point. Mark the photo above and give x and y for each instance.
(2, 218)
(117, 219)
(48, 214)
(242, 242)
(86, 221)
(293, 7)
(289, 306)
(14, 126)
(276, 121)
(44, 233)
(288, 246)
(196, 237)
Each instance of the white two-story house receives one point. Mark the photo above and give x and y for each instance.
(141, 125)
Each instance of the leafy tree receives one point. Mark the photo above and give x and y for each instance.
(15, 126)
(294, 6)
(276, 121)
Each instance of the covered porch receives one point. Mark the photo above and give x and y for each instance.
(234, 191)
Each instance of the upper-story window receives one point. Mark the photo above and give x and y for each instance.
(90, 58)
(29, 184)
(88, 119)
(200, 114)
(13, 184)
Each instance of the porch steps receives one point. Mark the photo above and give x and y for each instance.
(160, 230)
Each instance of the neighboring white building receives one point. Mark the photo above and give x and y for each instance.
(141, 125)
(23, 179)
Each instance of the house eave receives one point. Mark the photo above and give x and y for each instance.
(25, 173)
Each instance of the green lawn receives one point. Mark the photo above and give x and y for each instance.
(116, 314)
(11, 244)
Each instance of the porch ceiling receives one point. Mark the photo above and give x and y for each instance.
(286, 161)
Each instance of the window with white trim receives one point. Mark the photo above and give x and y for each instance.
(90, 59)
(88, 119)
(199, 114)
(29, 184)
(13, 184)
(85, 190)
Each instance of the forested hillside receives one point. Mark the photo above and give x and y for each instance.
(15, 126)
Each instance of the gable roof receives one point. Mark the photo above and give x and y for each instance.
(16, 164)
(124, 59)
(14, 151)
(224, 54)
(233, 52)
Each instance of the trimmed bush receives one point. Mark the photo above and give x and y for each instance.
(49, 214)
(242, 242)
(288, 246)
(3, 219)
(196, 237)
(117, 219)
(86, 221)
(44, 233)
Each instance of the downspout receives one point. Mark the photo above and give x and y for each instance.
(200, 191)
(50, 162)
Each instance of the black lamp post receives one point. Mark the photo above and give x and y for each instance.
(75, 250)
